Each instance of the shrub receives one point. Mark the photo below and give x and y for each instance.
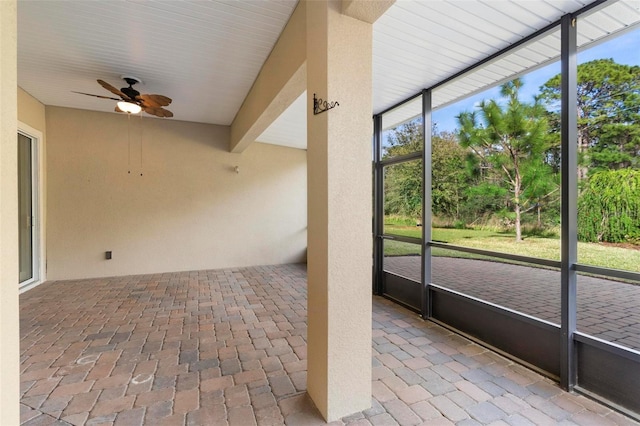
(609, 207)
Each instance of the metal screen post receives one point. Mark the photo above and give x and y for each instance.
(378, 206)
(426, 203)
(569, 169)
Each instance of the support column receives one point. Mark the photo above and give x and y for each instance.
(339, 56)
(9, 317)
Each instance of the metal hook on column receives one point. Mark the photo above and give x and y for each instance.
(320, 106)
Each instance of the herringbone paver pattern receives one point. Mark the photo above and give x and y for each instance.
(607, 309)
(229, 347)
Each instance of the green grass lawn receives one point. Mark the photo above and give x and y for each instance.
(615, 257)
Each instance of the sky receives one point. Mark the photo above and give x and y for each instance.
(623, 50)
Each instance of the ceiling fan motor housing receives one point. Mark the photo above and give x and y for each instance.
(130, 91)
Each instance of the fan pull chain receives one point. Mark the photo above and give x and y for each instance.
(129, 140)
(141, 134)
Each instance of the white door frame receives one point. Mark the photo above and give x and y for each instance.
(39, 260)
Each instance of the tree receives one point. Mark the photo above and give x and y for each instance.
(404, 139)
(543, 189)
(449, 177)
(403, 189)
(403, 181)
(511, 138)
(608, 114)
(483, 199)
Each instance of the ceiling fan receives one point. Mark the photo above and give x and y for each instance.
(132, 101)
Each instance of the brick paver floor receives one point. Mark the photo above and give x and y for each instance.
(607, 309)
(229, 347)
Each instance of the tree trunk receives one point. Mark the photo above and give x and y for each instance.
(583, 146)
(518, 228)
(516, 192)
(539, 216)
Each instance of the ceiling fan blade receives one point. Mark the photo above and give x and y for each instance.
(97, 96)
(158, 112)
(113, 90)
(147, 102)
(152, 111)
(117, 109)
(155, 100)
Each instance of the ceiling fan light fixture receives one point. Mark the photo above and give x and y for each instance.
(129, 108)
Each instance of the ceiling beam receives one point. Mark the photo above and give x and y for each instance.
(366, 10)
(280, 82)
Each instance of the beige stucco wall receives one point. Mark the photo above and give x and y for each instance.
(9, 332)
(189, 210)
(31, 111)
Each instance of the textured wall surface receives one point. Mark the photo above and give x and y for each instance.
(182, 206)
(340, 249)
(9, 332)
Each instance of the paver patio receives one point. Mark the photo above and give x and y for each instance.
(229, 347)
(606, 309)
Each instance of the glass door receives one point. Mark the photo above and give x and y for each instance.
(26, 203)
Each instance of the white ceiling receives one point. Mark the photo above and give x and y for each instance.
(206, 55)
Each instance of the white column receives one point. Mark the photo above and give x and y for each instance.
(9, 317)
(339, 211)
